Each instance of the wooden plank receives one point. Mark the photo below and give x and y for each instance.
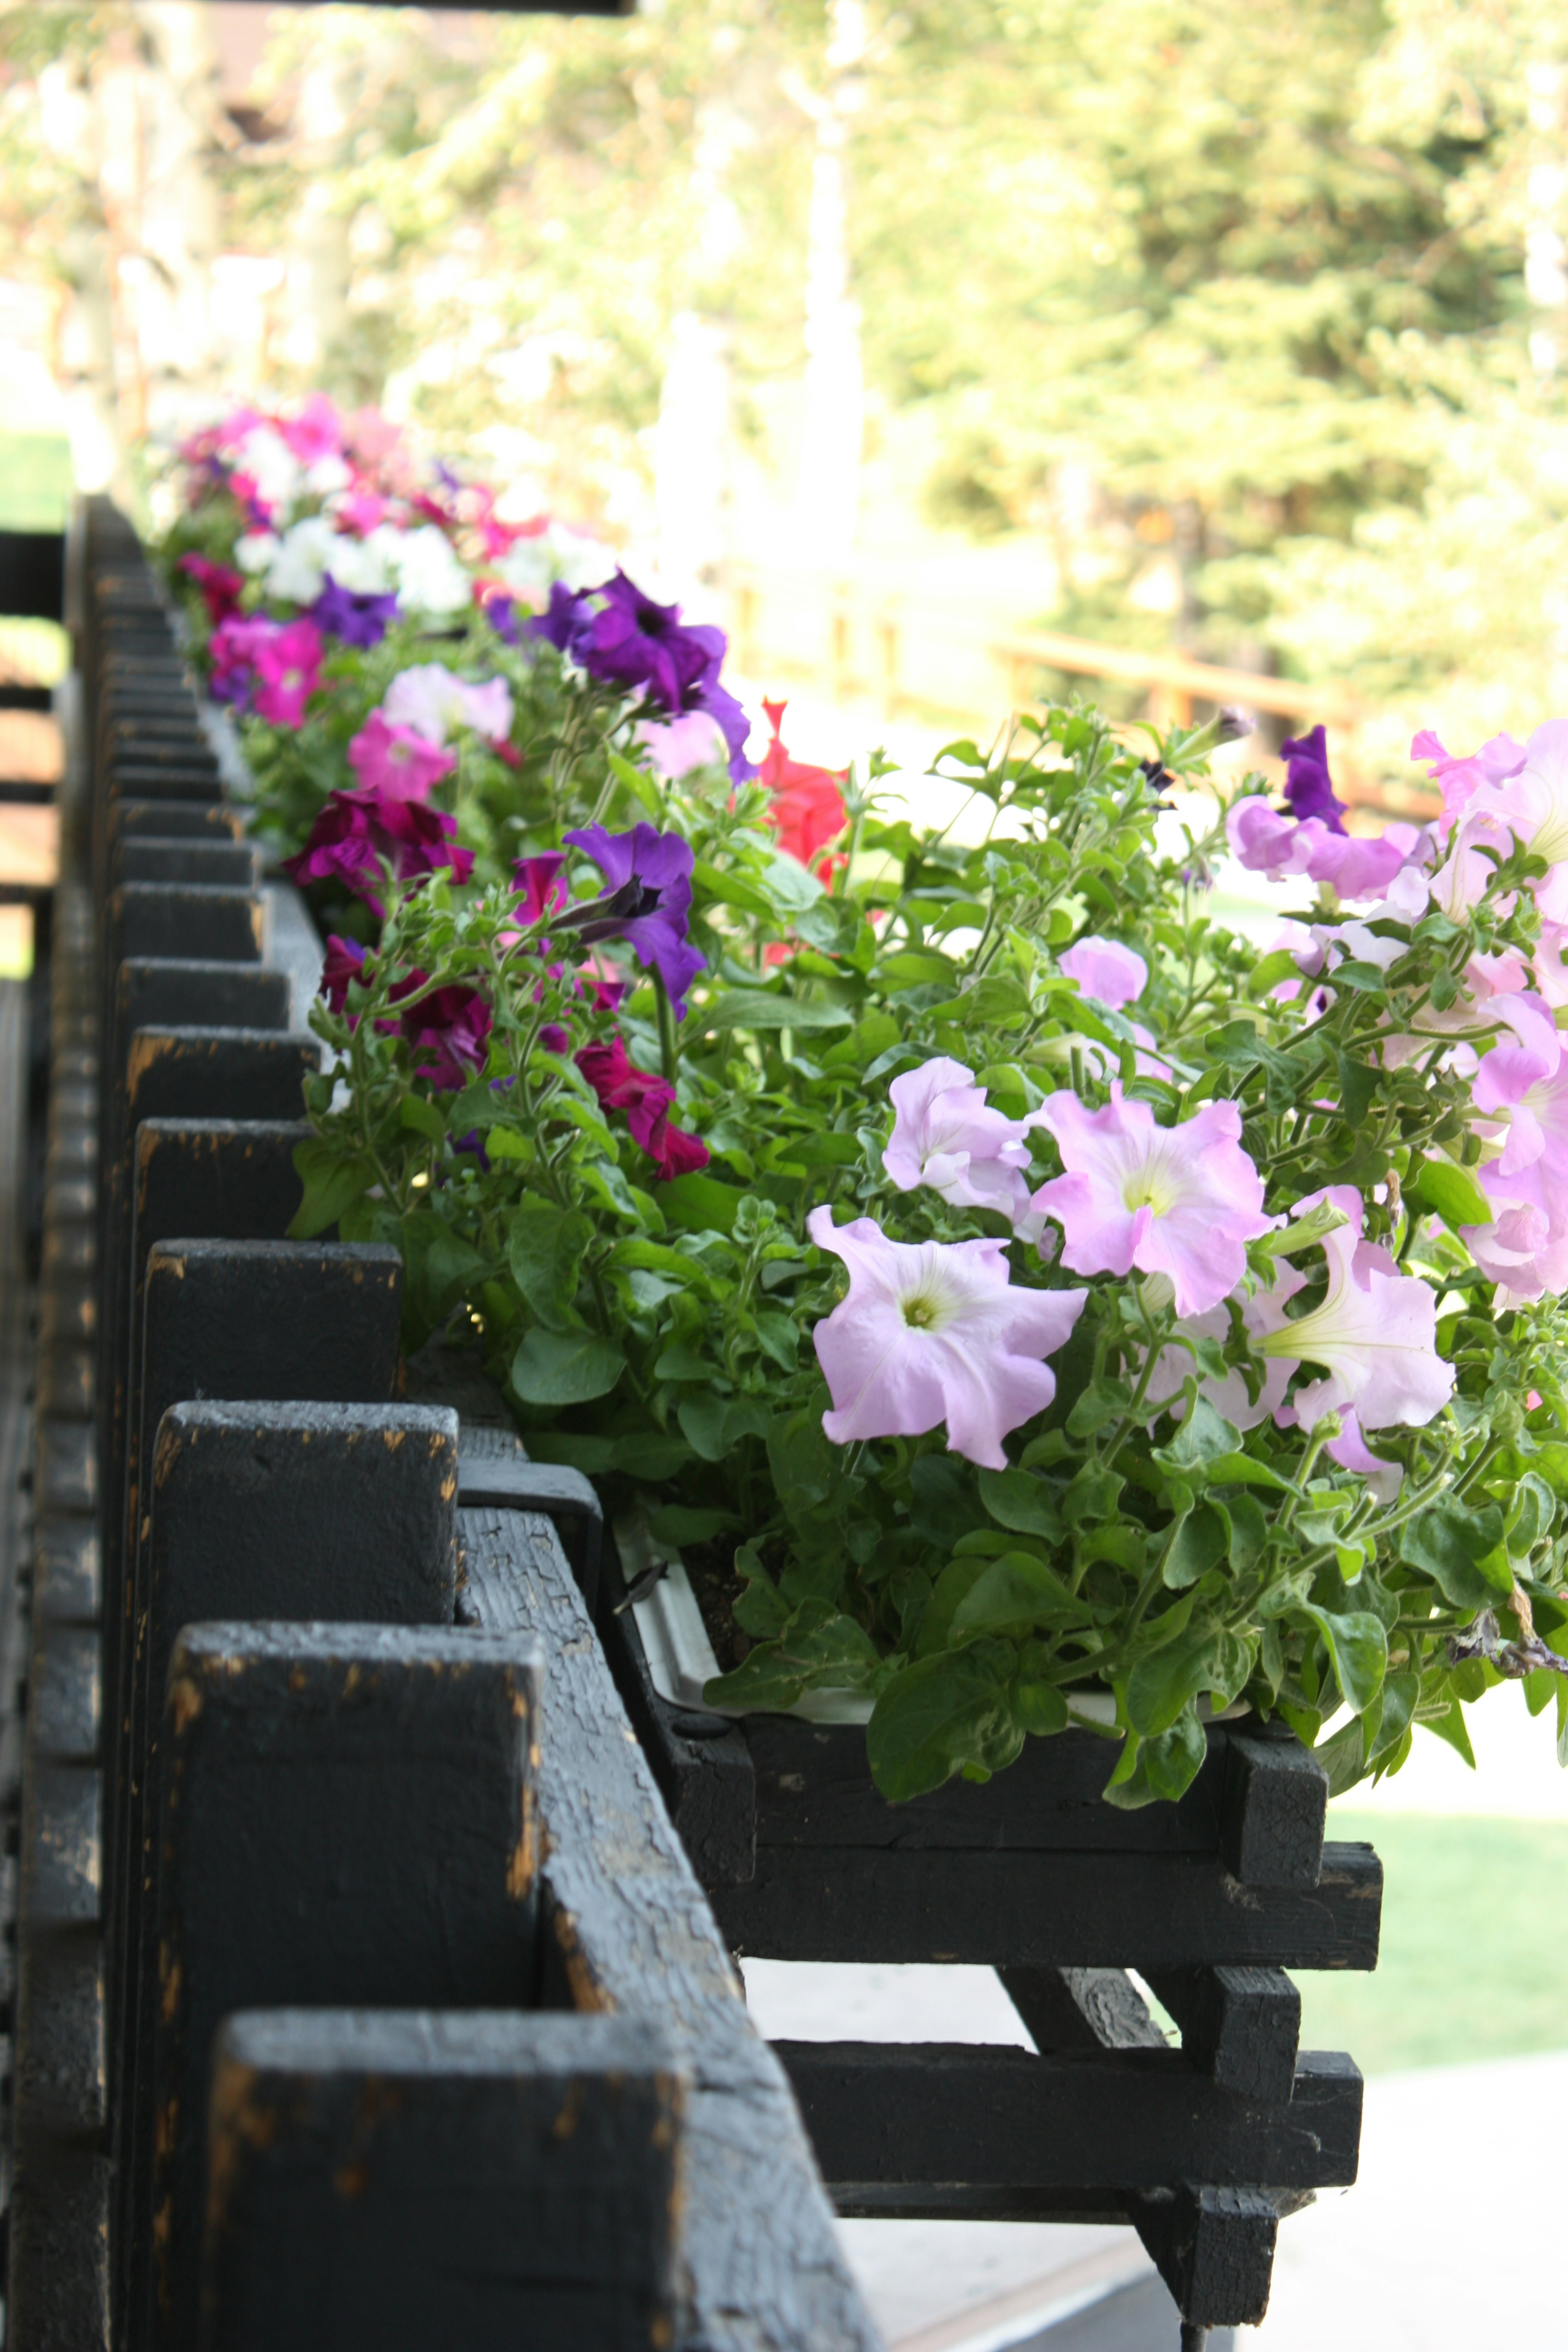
(1081, 2008)
(1080, 1910)
(627, 1929)
(184, 919)
(1214, 2247)
(172, 820)
(421, 2179)
(1276, 1809)
(346, 1817)
(1132, 2119)
(1242, 2026)
(149, 857)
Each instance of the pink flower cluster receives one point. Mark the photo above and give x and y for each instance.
(272, 667)
(359, 835)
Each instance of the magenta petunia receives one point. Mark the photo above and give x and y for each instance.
(358, 835)
(342, 965)
(1181, 1201)
(646, 1102)
(932, 1332)
(541, 885)
(448, 1028)
(396, 761)
(287, 671)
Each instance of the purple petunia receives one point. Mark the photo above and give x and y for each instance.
(1308, 787)
(647, 904)
(566, 622)
(356, 619)
(625, 638)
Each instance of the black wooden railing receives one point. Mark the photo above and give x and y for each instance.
(366, 1996)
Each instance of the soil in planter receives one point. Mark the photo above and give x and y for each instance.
(712, 1569)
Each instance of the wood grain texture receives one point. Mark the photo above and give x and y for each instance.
(1085, 1910)
(346, 1817)
(627, 1930)
(412, 2179)
(1129, 2119)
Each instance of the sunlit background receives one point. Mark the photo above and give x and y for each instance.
(953, 355)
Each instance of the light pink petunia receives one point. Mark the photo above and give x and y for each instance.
(395, 760)
(1229, 1395)
(1352, 1451)
(433, 702)
(1112, 974)
(1459, 780)
(1531, 805)
(935, 1332)
(947, 1136)
(1374, 1333)
(1182, 1201)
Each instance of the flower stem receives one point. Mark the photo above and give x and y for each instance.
(669, 1045)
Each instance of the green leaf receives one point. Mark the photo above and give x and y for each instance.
(729, 890)
(1449, 1725)
(639, 783)
(1017, 1589)
(1342, 1757)
(1158, 1771)
(818, 1647)
(1038, 1706)
(1160, 1686)
(1202, 1436)
(699, 1204)
(1022, 1502)
(941, 1714)
(1280, 965)
(1451, 1546)
(1248, 1533)
(714, 1426)
(1101, 1401)
(423, 1117)
(675, 1524)
(331, 1182)
(506, 1143)
(1452, 1193)
(1201, 1542)
(545, 1248)
(759, 1008)
(643, 1455)
(1358, 1646)
(1246, 1470)
(996, 1002)
(566, 1367)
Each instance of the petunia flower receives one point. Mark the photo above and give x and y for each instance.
(640, 645)
(1182, 1201)
(1352, 1451)
(356, 619)
(1112, 974)
(1267, 842)
(289, 671)
(1374, 1333)
(541, 885)
(315, 431)
(357, 835)
(806, 810)
(232, 650)
(935, 1332)
(1229, 1394)
(1459, 779)
(342, 965)
(1308, 787)
(1532, 804)
(449, 1026)
(646, 1102)
(394, 760)
(566, 620)
(220, 585)
(432, 701)
(647, 902)
(947, 1136)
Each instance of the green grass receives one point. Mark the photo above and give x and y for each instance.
(1475, 1936)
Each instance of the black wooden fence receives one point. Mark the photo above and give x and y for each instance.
(365, 1996)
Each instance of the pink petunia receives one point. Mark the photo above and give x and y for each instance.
(946, 1135)
(1113, 975)
(1267, 842)
(541, 885)
(932, 1332)
(316, 431)
(289, 670)
(646, 1101)
(1374, 1332)
(1182, 1201)
(1459, 780)
(394, 760)
(342, 966)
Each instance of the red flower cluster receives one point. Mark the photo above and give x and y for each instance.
(647, 1103)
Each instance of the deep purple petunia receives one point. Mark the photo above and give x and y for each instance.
(342, 965)
(647, 904)
(634, 643)
(1308, 787)
(450, 1025)
(565, 622)
(730, 718)
(356, 619)
(500, 611)
(358, 833)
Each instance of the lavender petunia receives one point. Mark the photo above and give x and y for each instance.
(935, 1332)
(647, 904)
